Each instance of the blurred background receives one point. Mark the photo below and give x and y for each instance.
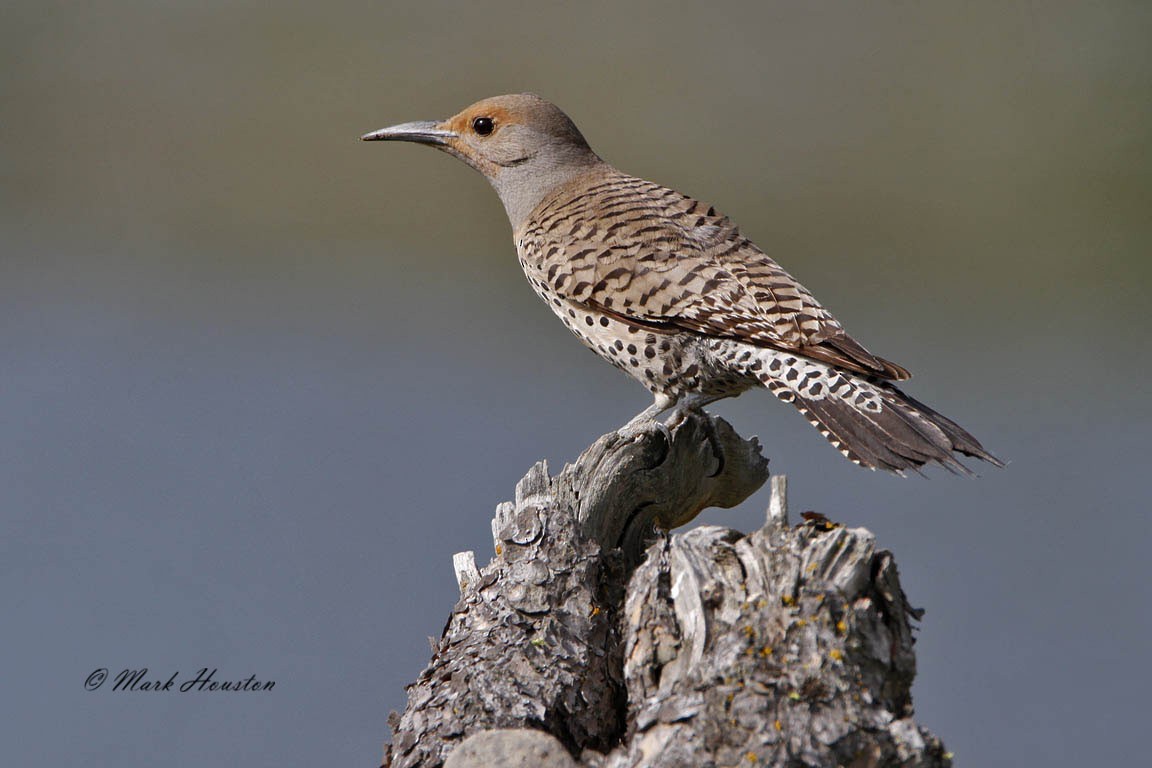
(259, 381)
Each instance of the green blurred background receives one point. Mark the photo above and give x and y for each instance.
(258, 381)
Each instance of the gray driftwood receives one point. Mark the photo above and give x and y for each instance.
(594, 639)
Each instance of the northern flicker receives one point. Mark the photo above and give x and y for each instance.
(668, 290)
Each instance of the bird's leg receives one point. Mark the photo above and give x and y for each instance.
(695, 402)
(640, 424)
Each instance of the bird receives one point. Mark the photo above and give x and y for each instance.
(670, 291)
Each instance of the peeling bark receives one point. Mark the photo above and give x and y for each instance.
(594, 631)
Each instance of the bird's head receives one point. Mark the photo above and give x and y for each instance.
(525, 146)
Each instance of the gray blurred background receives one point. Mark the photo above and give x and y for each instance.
(259, 381)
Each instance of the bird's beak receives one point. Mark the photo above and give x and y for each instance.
(421, 132)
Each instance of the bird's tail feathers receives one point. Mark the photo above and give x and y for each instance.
(868, 420)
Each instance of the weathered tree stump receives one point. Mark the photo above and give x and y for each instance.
(594, 639)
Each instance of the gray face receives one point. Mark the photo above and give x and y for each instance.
(507, 146)
(525, 146)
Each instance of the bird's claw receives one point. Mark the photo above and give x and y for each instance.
(679, 416)
(634, 430)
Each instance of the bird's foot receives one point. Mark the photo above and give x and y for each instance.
(679, 415)
(646, 419)
(639, 427)
(682, 410)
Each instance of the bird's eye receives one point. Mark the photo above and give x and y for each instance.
(483, 125)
